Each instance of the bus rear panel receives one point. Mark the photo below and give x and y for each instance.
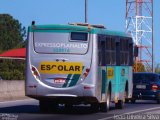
(59, 65)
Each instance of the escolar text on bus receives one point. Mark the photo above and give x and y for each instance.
(60, 67)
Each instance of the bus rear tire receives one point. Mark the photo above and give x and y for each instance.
(119, 104)
(43, 106)
(126, 100)
(47, 106)
(94, 107)
(105, 106)
(133, 100)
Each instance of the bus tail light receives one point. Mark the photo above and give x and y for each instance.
(35, 73)
(85, 74)
(154, 87)
(87, 87)
(32, 86)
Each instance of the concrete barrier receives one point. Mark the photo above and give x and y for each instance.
(12, 90)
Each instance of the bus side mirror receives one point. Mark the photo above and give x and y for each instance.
(135, 51)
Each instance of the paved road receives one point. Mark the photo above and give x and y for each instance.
(28, 110)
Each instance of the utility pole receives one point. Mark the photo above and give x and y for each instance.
(86, 11)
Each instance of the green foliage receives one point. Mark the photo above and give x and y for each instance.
(12, 35)
(12, 69)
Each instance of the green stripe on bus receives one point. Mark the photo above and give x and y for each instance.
(74, 80)
(67, 80)
(52, 31)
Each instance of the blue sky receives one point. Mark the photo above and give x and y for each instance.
(110, 13)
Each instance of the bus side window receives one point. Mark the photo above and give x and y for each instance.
(124, 54)
(110, 50)
(101, 50)
(130, 52)
(113, 50)
(103, 53)
(118, 52)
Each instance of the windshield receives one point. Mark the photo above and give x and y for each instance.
(58, 42)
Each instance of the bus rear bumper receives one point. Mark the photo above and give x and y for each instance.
(60, 99)
(76, 92)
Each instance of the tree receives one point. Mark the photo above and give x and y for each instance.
(12, 69)
(11, 33)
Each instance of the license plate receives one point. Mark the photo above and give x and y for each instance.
(59, 81)
(141, 86)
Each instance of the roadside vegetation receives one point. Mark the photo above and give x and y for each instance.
(12, 35)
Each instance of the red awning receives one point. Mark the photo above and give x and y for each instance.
(19, 53)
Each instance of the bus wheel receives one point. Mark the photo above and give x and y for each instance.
(119, 104)
(43, 106)
(126, 96)
(108, 99)
(133, 100)
(126, 100)
(105, 106)
(46, 106)
(94, 107)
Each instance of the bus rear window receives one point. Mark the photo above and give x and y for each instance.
(79, 36)
(59, 42)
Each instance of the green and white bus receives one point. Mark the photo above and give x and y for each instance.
(78, 64)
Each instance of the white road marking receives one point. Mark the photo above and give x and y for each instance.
(17, 101)
(153, 112)
(130, 113)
